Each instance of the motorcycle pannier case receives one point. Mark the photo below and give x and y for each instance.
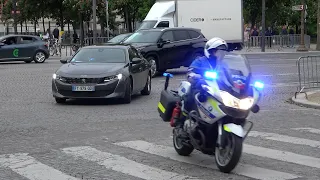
(168, 100)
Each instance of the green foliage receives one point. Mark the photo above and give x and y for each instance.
(102, 15)
(278, 12)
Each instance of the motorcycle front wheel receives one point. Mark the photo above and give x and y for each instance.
(228, 157)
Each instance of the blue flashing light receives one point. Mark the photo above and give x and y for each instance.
(210, 75)
(258, 85)
(167, 75)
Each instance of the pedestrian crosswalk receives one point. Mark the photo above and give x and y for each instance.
(28, 166)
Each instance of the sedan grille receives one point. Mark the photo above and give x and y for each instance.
(84, 80)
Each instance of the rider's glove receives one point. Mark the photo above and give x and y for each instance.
(194, 76)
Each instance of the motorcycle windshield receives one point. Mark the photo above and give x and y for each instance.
(235, 75)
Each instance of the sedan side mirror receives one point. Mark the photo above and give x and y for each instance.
(2, 44)
(136, 60)
(64, 60)
(163, 42)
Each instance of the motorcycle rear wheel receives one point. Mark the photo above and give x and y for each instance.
(228, 158)
(181, 149)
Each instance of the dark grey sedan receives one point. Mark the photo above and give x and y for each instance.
(25, 48)
(109, 71)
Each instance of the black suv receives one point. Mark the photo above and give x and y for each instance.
(168, 48)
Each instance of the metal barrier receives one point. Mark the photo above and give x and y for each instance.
(278, 42)
(67, 48)
(308, 73)
(99, 40)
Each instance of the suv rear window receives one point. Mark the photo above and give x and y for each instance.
(181, 35)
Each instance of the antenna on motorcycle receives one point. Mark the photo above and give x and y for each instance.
(168, 76)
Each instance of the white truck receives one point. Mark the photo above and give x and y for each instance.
(215, 18)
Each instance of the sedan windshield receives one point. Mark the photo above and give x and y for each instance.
(147, 25)
(144, 37)
(100, 55)
(119, 38)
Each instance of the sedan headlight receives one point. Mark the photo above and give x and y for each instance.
(111, 78)
(57, 77)
(231, 101)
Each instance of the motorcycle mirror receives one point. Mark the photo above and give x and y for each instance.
(255, 109)
(168, 75)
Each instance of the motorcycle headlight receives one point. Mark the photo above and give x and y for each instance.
(231, 101)
(111, 78)
(246, 103)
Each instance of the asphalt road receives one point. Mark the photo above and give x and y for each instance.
(89, 139)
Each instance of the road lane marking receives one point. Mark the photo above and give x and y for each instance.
(282, 156)
(30, 168)
(276, 60)
(281, 110)
(274, 65)
(270, 75)
(289, 84)
(205, 161)
(255, 75)
(122, 164)
(284, 138)
(311, 130)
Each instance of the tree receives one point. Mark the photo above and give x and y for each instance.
(101, 13)
(144, 9)
(128, 9)
(76, 9)
(318, 26)
(252, 10)
(57, 11)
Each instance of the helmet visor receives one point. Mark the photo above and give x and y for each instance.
(220, 54)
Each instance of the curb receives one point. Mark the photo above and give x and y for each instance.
(302, 101)
(278, 52)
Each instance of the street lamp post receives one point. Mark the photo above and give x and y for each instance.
(14, 2)
(107, 18)
(302, 46)
(81, 28)
(94, 15)
(263, 45)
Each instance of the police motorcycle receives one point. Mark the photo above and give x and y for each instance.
(222, 101)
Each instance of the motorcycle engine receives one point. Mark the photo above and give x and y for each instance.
(188, 125)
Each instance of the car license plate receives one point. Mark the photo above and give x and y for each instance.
(83, 88)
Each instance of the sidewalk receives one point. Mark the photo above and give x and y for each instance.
(66, 51)
(277, 49)
(312, 100)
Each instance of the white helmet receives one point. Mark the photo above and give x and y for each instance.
(215, 43)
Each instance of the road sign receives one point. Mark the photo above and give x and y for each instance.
(297, 8)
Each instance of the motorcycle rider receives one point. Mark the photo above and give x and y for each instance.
(214, 51)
